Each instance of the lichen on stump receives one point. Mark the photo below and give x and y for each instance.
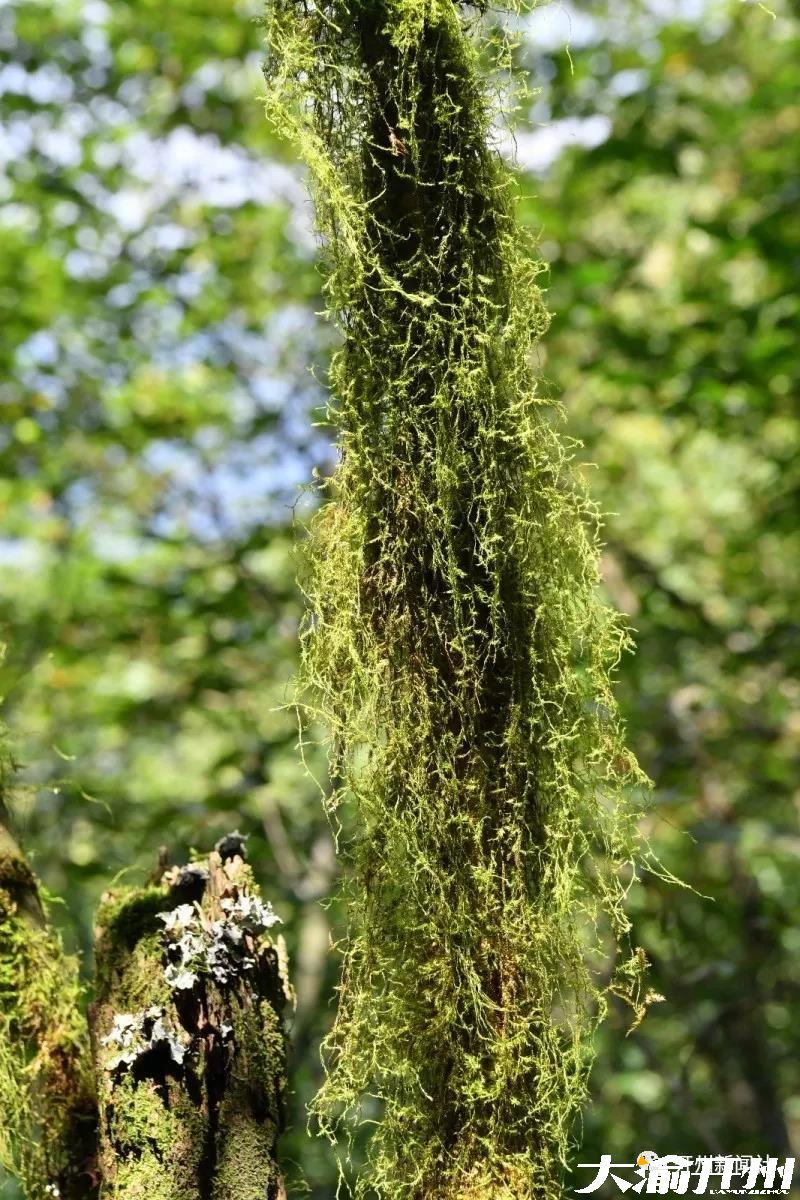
(188, 1038)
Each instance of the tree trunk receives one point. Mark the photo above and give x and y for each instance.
(46, 1087)
(455, 644)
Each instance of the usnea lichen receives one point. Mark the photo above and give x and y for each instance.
(455, 643)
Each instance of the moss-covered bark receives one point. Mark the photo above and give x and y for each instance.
(47, 1130)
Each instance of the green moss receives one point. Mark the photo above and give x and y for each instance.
(251, 1113)
(142, 1177)
(455, 642)
(246, 1169)
(142, 1122)
(246, 1165)
(158, 1146)
(126, 914)
(139, 975)
(46, 1091)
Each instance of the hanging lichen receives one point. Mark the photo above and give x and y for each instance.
(455, 642)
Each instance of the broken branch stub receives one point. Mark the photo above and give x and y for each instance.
(188, 1036)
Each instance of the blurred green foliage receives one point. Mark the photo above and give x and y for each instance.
(158, 292)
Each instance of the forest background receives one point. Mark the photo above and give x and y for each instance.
(162, 364)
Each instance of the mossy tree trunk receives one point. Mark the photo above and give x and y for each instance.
(455, 643)
(172, 1086)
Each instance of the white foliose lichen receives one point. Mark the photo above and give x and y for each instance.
(222, 949)
(134, 1034)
